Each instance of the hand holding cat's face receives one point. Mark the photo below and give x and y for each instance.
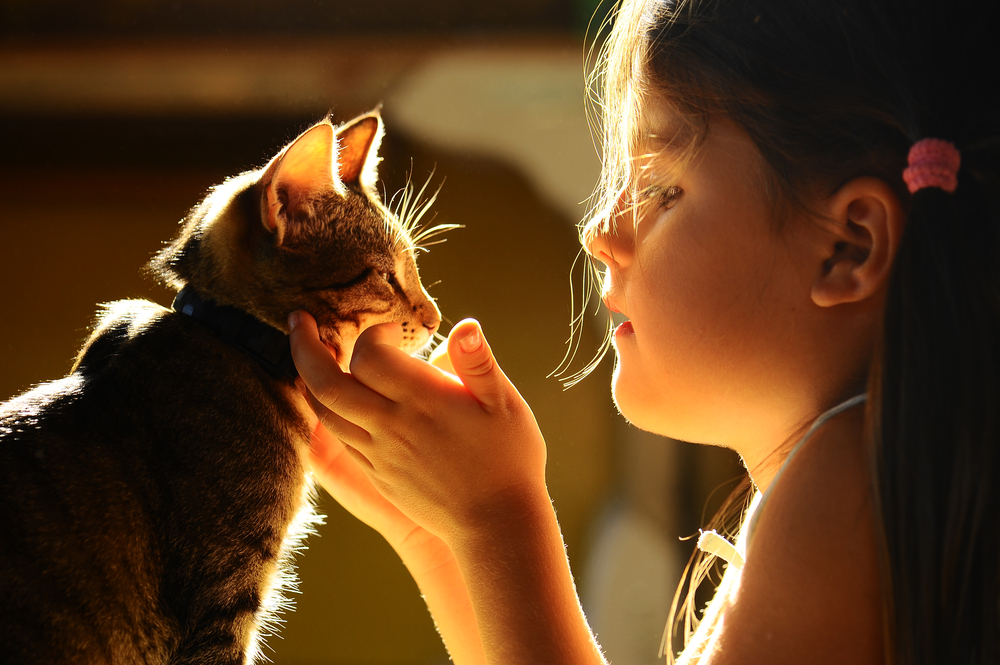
(459, 458)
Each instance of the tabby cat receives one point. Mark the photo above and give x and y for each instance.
(149, 499)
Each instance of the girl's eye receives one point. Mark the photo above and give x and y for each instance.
(663, 197)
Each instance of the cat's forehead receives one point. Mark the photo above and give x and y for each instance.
(353, 217)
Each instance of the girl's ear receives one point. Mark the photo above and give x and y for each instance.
(865, 220)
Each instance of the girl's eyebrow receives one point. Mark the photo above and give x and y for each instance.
(656, 155)
(664, 132)
(670, 138)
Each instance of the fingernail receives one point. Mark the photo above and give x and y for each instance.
(293, 320)
(471, 342)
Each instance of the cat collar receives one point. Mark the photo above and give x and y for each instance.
(267, 345)
(932, 163)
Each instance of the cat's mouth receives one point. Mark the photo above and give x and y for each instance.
(413, 341)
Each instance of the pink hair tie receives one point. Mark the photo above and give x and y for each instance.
(932, 163)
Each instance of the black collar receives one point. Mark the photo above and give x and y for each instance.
(265, 344)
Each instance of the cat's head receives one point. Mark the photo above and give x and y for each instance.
(307, 231)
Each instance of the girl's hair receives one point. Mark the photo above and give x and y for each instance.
(830, 90)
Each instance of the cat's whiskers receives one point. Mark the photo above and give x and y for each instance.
(409, 207)
(432, 231)
(423, 247)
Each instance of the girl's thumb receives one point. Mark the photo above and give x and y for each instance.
(474, 364)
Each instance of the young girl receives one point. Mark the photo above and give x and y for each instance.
(798, 218)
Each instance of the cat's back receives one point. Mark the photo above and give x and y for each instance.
(131, 489)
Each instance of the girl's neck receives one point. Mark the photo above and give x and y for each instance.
(765, 465)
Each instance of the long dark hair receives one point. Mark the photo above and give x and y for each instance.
(830, 90)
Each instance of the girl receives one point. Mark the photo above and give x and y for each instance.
(797, 216)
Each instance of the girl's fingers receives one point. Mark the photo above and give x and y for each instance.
(335, 391)
(334, 465)
(340, 427)
(473, 363)
(357, 456)
(389, 334)
(439, 358)
(378, 363)
(342, 475)
(325, 450)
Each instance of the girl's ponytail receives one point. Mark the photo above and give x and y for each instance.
(935, 426)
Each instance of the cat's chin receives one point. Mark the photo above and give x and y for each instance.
(422, 350)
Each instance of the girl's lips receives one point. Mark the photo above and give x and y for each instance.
(624, 328)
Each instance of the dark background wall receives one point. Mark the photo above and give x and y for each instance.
(220, 18)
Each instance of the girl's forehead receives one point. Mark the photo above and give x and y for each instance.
(658, 127)
(661, 144)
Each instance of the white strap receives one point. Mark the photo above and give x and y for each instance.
(751, 523)
(711, 542)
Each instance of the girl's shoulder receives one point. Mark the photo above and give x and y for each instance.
(810, 590)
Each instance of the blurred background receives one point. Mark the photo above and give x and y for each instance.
(117, 115)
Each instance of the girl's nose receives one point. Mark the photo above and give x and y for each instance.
(609, 236)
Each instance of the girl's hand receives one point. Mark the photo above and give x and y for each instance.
(341, 476)
(460, 455)
(428, 558)
(454, 456)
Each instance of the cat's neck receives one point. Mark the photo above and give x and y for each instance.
(266, 345)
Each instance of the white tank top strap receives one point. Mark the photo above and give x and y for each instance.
(711, 542)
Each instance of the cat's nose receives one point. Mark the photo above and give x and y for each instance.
(433, 322)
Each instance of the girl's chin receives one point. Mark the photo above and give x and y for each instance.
(630, 399)
(642, 406)
(659, 415)
(637, 417)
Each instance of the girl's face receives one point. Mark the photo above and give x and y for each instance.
(710, 288)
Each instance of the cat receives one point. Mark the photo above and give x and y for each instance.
(149, 499)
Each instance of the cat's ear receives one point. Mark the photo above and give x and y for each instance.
(357, 160)
(302, 171)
